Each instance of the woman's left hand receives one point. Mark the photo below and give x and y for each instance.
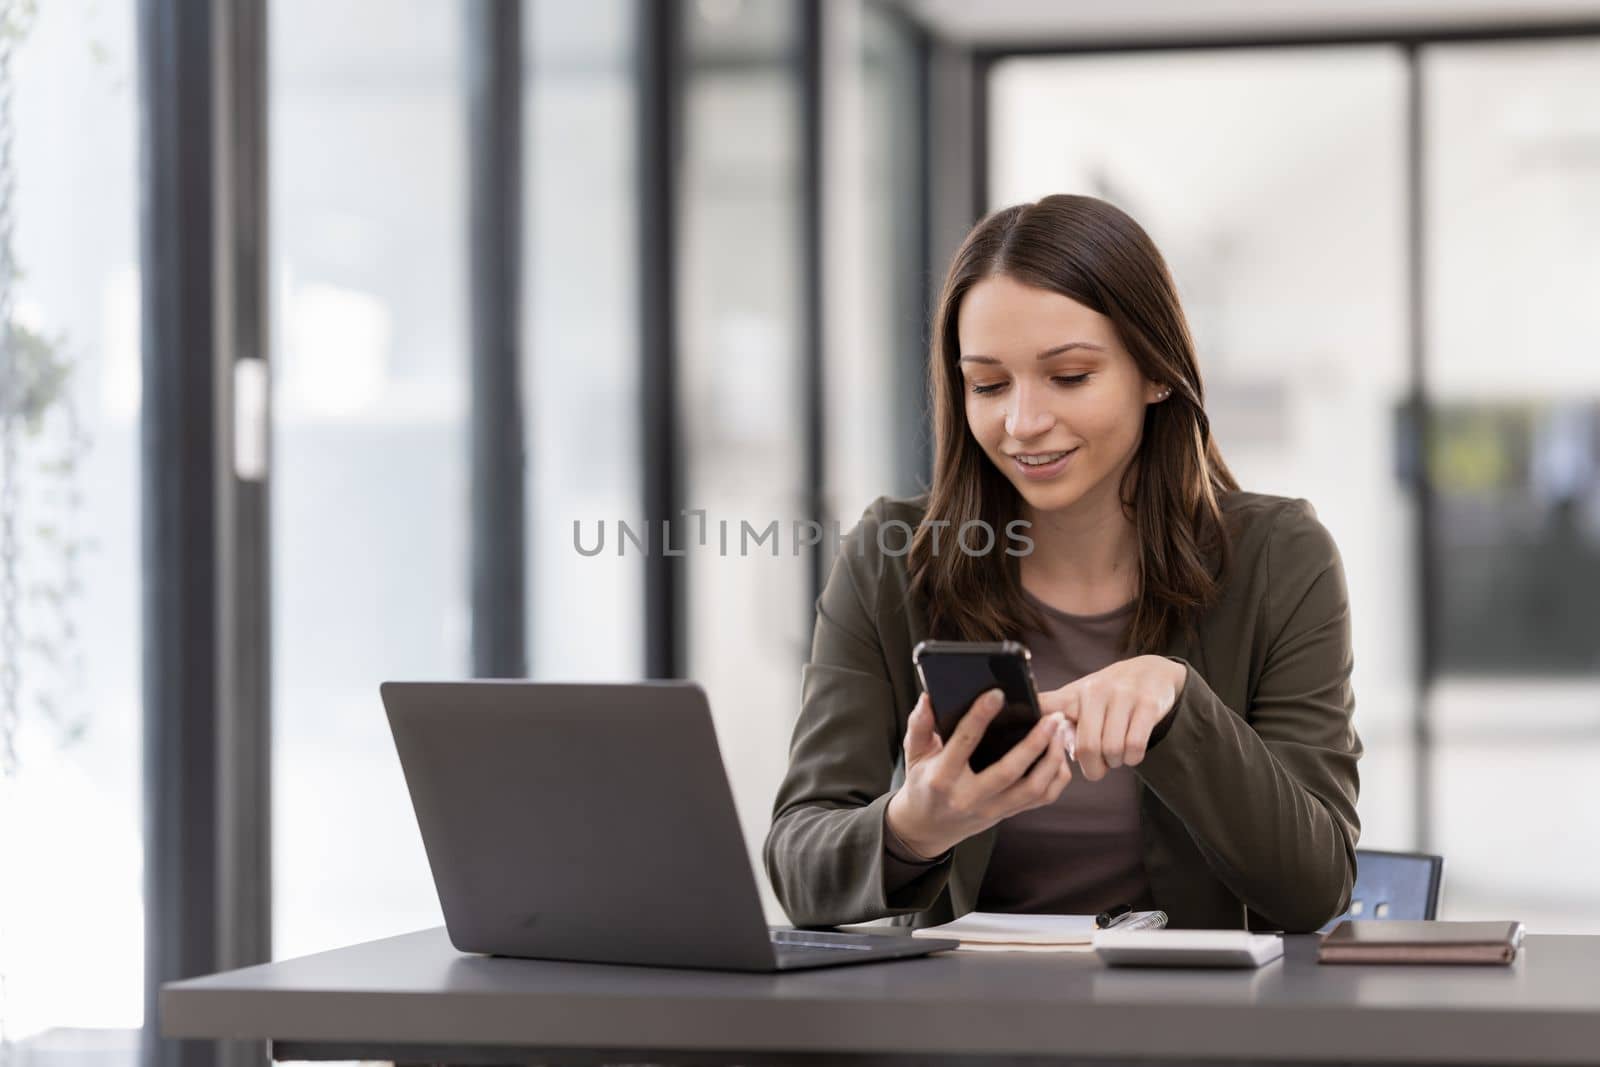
(1114, 710)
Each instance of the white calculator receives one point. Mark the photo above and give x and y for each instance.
(1187, 948)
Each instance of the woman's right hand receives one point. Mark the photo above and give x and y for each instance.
(943, 802)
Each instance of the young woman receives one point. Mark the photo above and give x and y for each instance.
(1196, 638)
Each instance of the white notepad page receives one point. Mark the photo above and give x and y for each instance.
(1000, 928)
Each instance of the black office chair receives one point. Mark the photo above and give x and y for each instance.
(1394, 885)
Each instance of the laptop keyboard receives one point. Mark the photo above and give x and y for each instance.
(818, 939)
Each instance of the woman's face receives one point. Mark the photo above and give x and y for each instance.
(1047, 379)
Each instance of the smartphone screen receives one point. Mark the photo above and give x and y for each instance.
(956, 673)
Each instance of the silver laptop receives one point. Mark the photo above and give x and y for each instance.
(596, 823)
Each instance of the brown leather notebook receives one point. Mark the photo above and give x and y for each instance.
(1407, 941)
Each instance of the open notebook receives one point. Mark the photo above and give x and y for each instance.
(1004, 932)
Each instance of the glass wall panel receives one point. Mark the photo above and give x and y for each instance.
(370, 479)
(896, 213)
(875, 289)
(580, 328)
(1513, 232)
(1273, 181)
(740, 384)
(70, 828)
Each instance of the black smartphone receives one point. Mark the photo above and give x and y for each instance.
(955, 673)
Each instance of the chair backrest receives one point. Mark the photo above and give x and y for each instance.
(1394, 885)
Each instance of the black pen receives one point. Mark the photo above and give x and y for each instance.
(1106, 918)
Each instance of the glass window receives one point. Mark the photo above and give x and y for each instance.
(370, 478)
(895, 206)
(580, 329)
(739, 380)
(70, 815)
(1513, 253)
(1273, 182)
(875, 289)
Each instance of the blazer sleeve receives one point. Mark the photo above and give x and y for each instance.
(825, 852)
(1269, 796)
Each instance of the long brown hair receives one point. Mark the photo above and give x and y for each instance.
(1092, 252)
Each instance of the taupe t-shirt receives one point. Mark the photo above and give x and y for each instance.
(1083, 854)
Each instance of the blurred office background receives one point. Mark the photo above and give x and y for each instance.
(331, 318)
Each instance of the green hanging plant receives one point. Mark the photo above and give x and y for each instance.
(40, 376)
(37, 406)
(36, 399)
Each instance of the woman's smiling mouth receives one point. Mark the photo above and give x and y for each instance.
(1042, 464)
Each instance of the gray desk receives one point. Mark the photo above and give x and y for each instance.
(413, 998)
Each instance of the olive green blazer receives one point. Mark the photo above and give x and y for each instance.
(1247, 801)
